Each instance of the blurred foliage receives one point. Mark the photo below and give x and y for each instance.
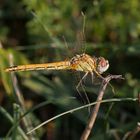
(18, 57)
(40, 31)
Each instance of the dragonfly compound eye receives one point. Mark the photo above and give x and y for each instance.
(102, 65)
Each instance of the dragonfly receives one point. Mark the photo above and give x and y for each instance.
(80, 62)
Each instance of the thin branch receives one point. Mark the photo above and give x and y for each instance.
(131, 135)
(76, 109)
(94, 113)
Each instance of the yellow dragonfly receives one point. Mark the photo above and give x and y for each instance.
(82, 62)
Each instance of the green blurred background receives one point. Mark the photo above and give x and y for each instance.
(45, 31)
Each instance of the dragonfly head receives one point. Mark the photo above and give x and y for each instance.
(102, 65)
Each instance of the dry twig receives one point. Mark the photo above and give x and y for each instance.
(94, 113)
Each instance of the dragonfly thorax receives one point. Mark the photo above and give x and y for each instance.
(83, 62)
(86, 63)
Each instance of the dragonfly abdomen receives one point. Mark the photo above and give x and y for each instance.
(47, 66)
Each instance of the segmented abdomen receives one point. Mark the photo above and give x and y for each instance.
(48, 66)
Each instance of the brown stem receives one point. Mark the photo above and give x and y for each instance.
(95, 110)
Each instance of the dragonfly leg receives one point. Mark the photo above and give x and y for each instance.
(80, 82)
(98, 74)
(77, 88)
(92, 74)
